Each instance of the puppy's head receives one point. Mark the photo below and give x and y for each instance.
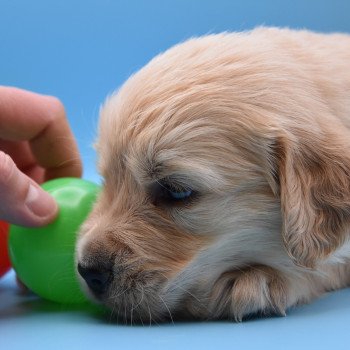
(208, 166)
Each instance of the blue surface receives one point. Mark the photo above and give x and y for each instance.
(82, 50)
(29, 323)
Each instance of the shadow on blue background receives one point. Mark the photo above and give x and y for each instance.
(82, 50)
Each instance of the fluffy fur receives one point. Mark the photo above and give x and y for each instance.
(257, 124)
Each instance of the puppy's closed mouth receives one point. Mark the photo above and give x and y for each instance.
(130, 293)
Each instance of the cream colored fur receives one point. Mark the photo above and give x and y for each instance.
(258, 125)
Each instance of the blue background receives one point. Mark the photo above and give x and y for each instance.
(82, 50)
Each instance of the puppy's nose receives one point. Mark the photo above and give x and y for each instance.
(97, 279)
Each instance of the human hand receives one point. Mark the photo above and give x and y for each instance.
(36, 144)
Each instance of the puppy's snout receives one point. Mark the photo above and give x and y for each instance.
(97, 279)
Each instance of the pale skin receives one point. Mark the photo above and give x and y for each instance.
(36, 144)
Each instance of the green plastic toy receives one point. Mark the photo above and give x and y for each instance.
(44, 257)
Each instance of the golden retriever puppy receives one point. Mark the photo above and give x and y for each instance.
(226, 166)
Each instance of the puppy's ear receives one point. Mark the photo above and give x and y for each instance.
(312, 176)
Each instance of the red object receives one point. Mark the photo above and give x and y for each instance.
(5, 263)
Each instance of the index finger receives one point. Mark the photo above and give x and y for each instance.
(42, 121)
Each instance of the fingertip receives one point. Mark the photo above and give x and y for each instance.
(23, 202)
(54, 106)
(41, 205)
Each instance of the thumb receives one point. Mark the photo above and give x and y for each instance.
(22, 201)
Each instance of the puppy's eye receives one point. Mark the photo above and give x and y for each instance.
(180, 195)
(171, 194)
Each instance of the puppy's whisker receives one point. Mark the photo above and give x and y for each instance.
(125, 318)
(68, 161)
(122, 293)
(118, 314)
(141, 320)
(166, 306)
(141, 299)
(131, 313)
(111, 317)
(150, 315)
(187, 292)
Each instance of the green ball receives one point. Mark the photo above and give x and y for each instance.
(43, 258)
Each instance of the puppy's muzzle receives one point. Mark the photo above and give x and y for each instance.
(97, 279)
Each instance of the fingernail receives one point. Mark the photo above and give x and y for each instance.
(40, 202)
